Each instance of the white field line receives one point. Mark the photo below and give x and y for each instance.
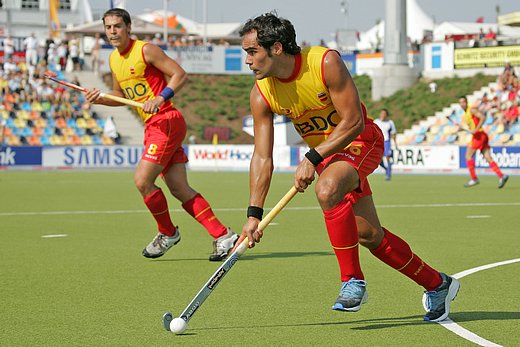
(457, 329)
(448, 323)
(237, 209)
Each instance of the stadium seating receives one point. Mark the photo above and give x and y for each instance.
(44, 122)
(438, 130)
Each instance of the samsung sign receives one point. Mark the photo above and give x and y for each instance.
(92, 156)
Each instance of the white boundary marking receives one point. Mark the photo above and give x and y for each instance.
(457, 329)
(447, 323)
(485, 204)
(53, 236)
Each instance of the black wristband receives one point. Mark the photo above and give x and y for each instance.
(253, 211)
(314, 157)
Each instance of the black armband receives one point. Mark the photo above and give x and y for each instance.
(253, 211)
(314, 157)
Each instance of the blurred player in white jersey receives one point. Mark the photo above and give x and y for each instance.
(387, 126)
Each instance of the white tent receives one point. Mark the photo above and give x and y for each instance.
(190, 27)
(506, 33)
(459, 28)
(417, 22)
(174, 21)
(138, 27)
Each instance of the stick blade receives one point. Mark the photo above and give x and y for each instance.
(167, 319)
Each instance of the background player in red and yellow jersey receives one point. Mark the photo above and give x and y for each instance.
(315, 90)
(473, 119)
(144, 73)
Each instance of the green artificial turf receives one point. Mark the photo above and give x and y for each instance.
(92, 287)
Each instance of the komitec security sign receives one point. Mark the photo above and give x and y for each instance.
(465, 58)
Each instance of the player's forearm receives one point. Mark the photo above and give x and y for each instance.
(341, 137)
(261, 171)
(109, 102)
(178, 80)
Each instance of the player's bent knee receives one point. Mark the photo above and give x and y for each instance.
(328, 195)
(369, 236)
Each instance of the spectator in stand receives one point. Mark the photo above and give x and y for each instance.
(433, 87)
(157, 40)
(223, 42)
(46, 91)
(74, 54)
(8, 47)
(507, 77)
(511, 114)
(3, 123)
(31, 46)
(473, 119)
(41, 52)
(490, 37)
(52, 55)
(10, 65)
(62, 53)
(110, 130)
(95, 60)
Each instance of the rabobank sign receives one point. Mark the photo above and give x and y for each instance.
(92, 156)
(505, 157)
(13, 156)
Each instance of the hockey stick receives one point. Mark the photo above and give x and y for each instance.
(214, 280)
(52, 77)
(461, 126)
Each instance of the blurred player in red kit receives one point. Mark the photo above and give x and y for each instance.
(143, 72)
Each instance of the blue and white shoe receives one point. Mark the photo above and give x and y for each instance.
(352, 294)
(437, 302)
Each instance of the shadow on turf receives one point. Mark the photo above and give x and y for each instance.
(254, 256)
(385, 323)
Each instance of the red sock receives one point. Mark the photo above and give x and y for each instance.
(496, 169)
(341, 226)
(471, 167)
(199, 209)
(158, 206)
(396, 253)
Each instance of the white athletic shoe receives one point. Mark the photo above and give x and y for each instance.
(502, 181)
(223, 245)
(161, 244)
(471, 183)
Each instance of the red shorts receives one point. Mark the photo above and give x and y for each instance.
(479, 141)
(163, 136)
(364, 154)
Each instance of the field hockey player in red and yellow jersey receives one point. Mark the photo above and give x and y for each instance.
(314, 89)
(473, 119)
(144, 73)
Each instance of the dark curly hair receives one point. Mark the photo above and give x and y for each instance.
(118, 12)
(270, 29)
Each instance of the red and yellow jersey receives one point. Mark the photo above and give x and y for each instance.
(138, 80)
(470, 119)
(304, 98)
